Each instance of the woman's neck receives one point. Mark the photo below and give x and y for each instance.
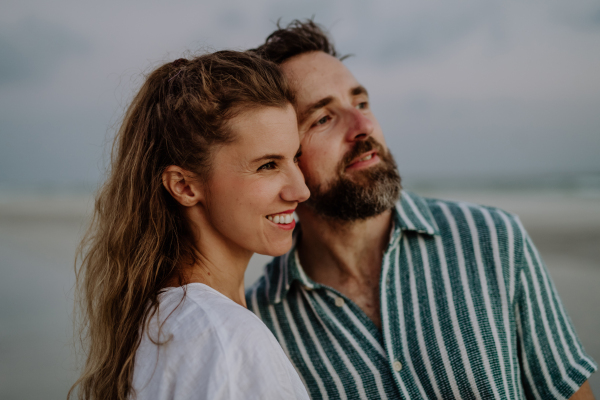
(219, 263)
(222, 273)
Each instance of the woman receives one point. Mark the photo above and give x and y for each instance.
(204, 173)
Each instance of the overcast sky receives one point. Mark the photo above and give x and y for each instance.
(461, 88)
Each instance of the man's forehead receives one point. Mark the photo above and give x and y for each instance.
(317, 75)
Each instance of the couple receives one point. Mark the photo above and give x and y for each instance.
(378, 293)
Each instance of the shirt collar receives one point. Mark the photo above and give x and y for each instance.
(413, 214)
(410, 214)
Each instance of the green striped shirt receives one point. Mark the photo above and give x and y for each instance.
(468, 311)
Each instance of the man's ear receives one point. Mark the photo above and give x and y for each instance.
(183, 185)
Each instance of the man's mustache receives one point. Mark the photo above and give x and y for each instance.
(359, 148)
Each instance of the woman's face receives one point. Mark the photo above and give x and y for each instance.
(256, 184)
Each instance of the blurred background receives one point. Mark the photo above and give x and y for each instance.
(492, 102)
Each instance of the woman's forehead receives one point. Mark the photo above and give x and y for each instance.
(265, 129)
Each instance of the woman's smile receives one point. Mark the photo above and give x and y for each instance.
(284, 220)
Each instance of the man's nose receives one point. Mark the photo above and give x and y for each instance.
(295, 190)
(360, 126)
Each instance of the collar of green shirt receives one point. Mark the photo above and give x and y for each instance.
(410, 214)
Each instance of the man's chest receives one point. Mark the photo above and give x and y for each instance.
(364, 295)
(441, 334)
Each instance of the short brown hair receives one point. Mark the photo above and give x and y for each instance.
(296, 38)
(139, 238)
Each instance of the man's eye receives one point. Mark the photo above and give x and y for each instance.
(323, 120)
(362, 106)
(268, 166)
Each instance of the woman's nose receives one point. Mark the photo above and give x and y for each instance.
(296, 189)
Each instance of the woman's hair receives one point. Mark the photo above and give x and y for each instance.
(139, 238)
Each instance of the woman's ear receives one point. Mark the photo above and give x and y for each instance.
(183, 185)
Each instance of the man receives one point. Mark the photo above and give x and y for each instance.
(389, 295)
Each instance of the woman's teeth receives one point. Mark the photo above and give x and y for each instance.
(281, 218)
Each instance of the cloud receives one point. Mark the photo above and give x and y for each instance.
(582, 15)
(32, 49)
(518, 79)
(396, 33)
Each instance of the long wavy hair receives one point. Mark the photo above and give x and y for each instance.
(139, 239)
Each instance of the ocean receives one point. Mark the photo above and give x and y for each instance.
(39, 233)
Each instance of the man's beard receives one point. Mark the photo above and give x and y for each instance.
(366, 193)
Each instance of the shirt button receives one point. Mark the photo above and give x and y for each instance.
(397, 365)
(339, 302)
(387, 280)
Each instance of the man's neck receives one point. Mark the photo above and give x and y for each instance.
(346, 256)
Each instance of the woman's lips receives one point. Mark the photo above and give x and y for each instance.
(286, 227)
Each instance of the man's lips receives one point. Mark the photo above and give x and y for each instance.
(364, 160)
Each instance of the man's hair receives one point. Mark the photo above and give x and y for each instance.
(296, 38)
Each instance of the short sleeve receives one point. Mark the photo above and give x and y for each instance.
(552, 359)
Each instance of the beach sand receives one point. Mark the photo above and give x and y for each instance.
(39, 234)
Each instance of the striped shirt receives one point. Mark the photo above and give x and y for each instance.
(468, 311)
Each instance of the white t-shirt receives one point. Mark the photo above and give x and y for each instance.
(217, 350)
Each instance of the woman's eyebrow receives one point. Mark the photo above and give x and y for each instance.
(268, 157)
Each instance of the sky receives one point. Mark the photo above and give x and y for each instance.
(463, 89)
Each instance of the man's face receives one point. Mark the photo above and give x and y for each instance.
(345, 161)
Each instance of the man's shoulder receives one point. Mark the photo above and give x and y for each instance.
(456, 221)
(463, 213)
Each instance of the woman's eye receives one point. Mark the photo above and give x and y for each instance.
(296, 157)
(268, 166)
(362, 106)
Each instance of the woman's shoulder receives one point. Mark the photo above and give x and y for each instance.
(206, 321)
(212, 345)
(202, 308)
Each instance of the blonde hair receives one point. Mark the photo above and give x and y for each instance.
(138, 238)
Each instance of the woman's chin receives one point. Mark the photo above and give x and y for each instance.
(276, 249)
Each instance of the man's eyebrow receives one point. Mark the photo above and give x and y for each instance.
(358, 90)
(268, 157)
(311, 108)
